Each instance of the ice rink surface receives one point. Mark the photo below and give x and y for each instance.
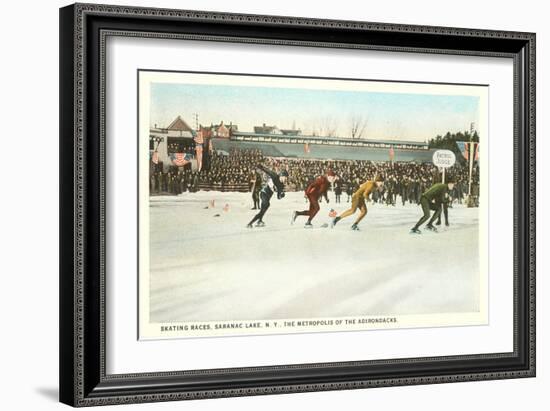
(205, 265)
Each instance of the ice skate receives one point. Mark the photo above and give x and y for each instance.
(355, 227)
(249, 225)
(415, 230)
(294, 216)
(431, 228)
(308, 225)
(260, 224)
(334, 221)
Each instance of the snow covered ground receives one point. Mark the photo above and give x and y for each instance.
(206, 266)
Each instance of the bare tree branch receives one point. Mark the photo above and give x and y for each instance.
(358, 126)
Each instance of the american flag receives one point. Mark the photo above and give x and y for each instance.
(180, 159)
(464, 148)
(306, 148)
(476, 155)
(392, 153)
(198, 152)
(155, 157)
(199, 137)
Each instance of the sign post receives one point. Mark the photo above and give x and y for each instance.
(444, 159)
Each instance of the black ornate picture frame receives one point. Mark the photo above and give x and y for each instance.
(83, 32)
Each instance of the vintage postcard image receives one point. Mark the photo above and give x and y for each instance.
(278, 205)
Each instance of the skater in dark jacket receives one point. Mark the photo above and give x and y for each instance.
(273, 184)
(432, 199)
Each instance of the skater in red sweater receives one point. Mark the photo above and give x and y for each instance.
(314, 191)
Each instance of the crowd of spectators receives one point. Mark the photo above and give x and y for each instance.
(237, 171)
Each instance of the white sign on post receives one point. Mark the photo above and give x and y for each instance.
(444, 159)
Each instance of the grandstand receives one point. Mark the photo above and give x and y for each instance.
(326, 148)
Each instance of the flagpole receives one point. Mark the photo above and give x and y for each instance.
(471, 164)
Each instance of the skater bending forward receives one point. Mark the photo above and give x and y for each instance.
(273, 184)
(314, 191)
(432, 199)
(358, 201)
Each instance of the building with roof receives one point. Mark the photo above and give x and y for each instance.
(218, 130)
(334, 148)
(178, 137)
(291, 132)
(179, 126)
(264, 129)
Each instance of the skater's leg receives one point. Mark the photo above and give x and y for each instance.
(437, 214)
(424, 203)
(348, 212)
(345, 214)
(303, 212)
(262, 212)
(313, 209)
(446, 213)
(362, 213)
(257, 217)
(263, 208)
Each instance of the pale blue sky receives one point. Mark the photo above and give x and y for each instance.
(415, 117)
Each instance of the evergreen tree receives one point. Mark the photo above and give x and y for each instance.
(448, 142)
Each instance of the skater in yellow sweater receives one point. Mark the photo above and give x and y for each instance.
(358, 201)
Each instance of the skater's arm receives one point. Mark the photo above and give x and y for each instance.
(311, 188)
(262, 167)
(274, 177)
(368, 190)
(442, 198)
(325, 185)
(269, 172)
